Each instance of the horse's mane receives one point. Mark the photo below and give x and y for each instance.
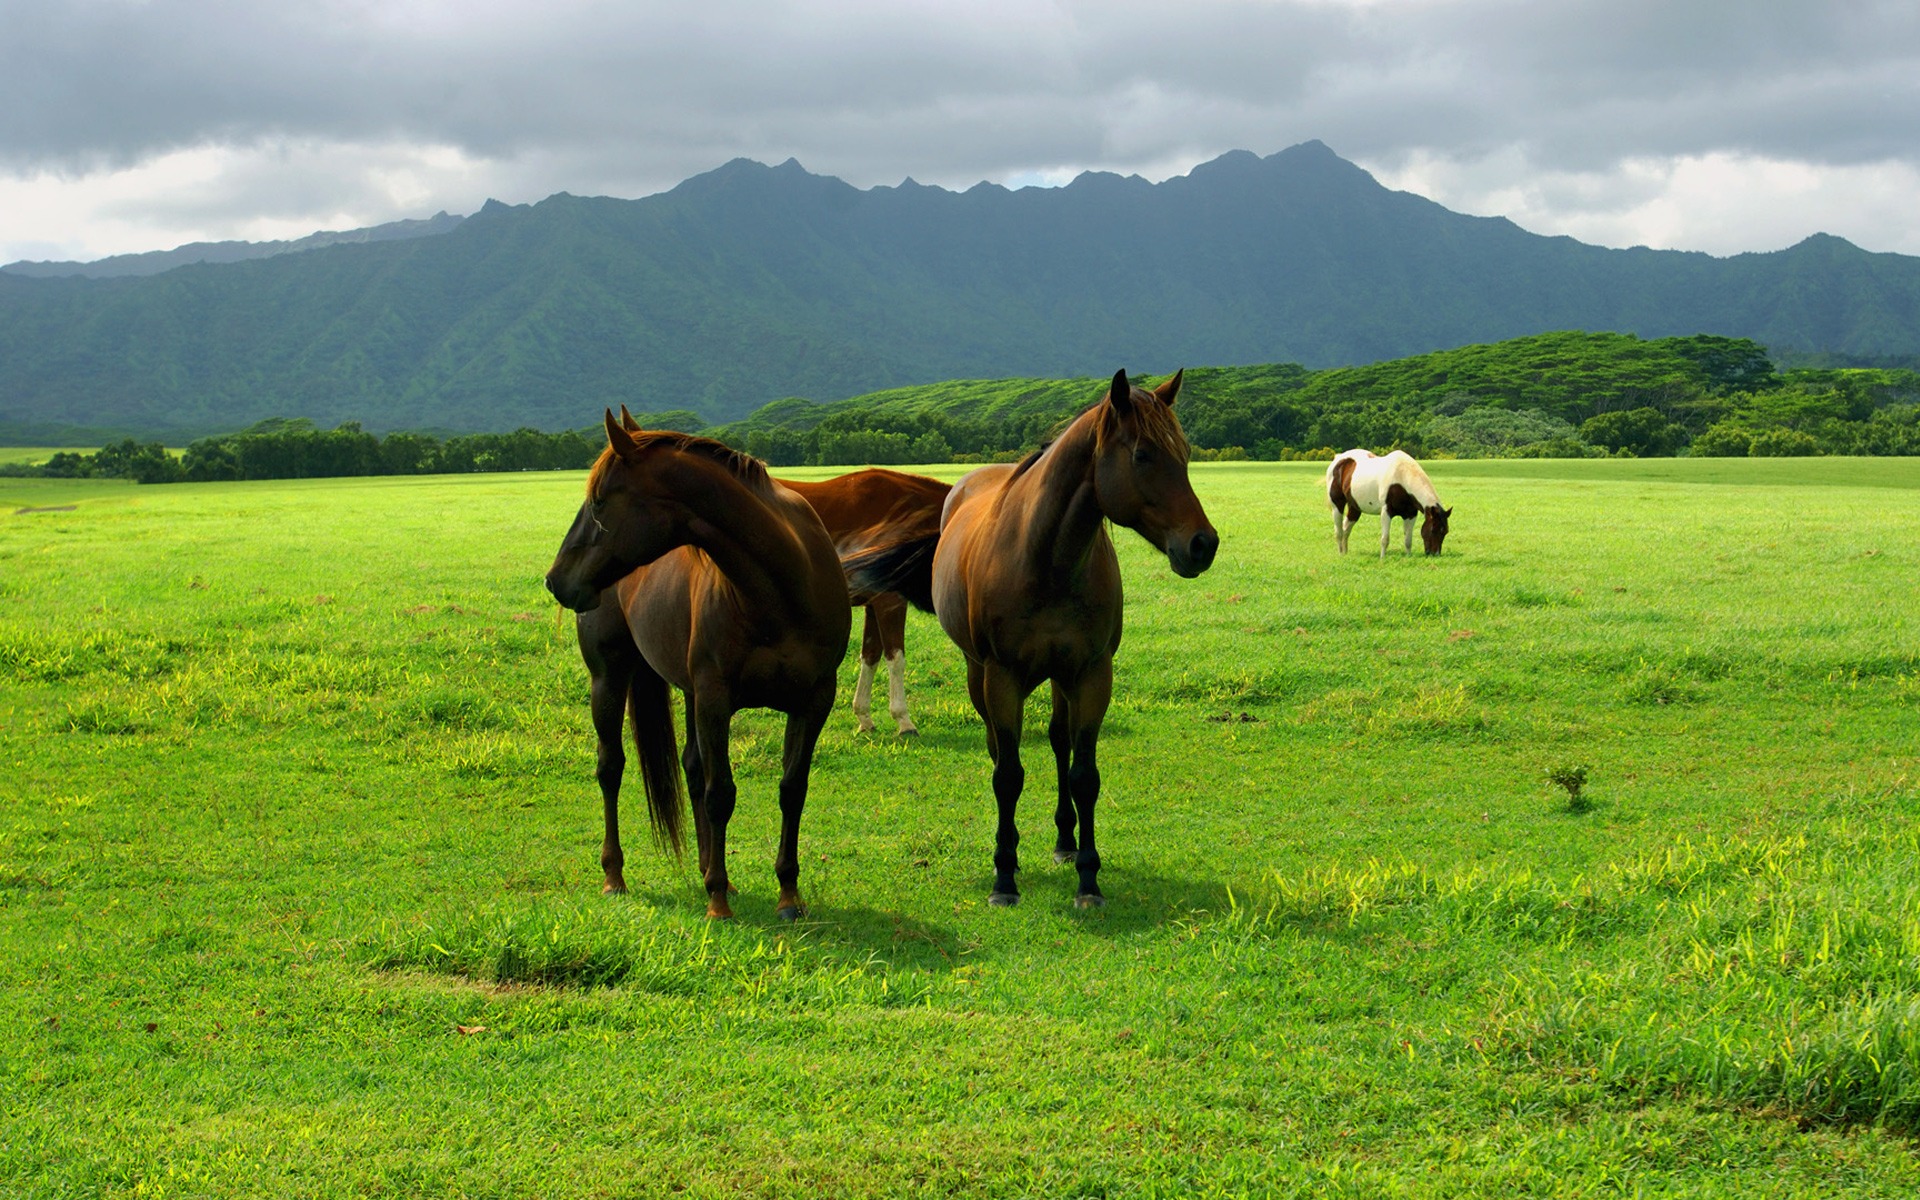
(745, 467)
(1153, 421)
(1033, 456)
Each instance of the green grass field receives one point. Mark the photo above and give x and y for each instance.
(299, 891)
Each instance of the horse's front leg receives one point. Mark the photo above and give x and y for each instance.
(1000, 701)
(611, 657)
(1340, 527)
(1086, 710)
(796, 763)
(1060, 737)
(712, 723)
(1386, 530)
(1406, 527)
(870, 647)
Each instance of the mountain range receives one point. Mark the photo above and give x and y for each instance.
(751, 283)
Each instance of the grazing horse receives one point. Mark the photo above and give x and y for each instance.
(1392, 485)
(1025, 581)
(860, 511)
(688, 565)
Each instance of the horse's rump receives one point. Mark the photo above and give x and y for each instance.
(1340, 485)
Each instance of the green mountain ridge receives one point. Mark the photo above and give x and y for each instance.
(753, 283)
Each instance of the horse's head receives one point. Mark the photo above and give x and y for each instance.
(1140, 474)
(1433, 530)
(629, 519)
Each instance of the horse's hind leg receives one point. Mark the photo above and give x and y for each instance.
(870, 646)
(1386, 530)
(803, 732)
(889, 613)
(611, 657)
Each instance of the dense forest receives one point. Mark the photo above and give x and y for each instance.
(753, 283)
(1558, 395)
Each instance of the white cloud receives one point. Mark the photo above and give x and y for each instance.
(1720, 203)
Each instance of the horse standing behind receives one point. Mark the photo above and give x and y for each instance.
(861, 510)
(1025, 581)
(688, 565)
(1392, 485)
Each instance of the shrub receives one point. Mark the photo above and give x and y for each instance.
(1722, 441)
(1783, 443)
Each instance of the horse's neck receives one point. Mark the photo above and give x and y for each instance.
(1058, 502)
(737, 527)
(1408, 475)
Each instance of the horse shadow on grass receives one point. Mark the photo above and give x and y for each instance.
(855, 930)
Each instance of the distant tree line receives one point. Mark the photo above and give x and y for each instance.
(1558, 395)
(294, 448)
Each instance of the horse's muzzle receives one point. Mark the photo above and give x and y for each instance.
(1195, 556)
(576, 596)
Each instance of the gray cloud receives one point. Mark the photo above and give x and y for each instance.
(629, 98)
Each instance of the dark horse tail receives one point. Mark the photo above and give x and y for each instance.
(650, 712)
(905, 566)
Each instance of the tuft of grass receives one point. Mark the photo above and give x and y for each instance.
(1573, 779)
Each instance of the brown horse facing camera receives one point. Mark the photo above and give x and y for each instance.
(1025, 581)
(689, 566)
(863, 509)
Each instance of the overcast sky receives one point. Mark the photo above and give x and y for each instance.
(1720, 126)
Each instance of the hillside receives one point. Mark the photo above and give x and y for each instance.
(153, 262)
(753, 283)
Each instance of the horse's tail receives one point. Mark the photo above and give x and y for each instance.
(650, 709)
(905, 566)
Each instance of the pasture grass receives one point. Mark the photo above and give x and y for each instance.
(299, 879)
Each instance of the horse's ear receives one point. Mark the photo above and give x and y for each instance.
(618, 438)
(627, 422)
(1449, 512)
(1171, 388)
(1120, 395)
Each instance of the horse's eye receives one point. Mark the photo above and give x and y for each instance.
(1143, 455)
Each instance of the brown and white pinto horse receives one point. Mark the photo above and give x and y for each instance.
(1026, 582)
(1392, 485)
(862, 510)
(688, 565)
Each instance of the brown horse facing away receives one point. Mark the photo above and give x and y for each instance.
(688, 565)
(862, 510)
(1026, 583)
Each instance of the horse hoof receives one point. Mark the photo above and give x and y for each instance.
(1089, 900)
(719, 911)
(1004, 899)
(909, 731)
(791, 912)
(1065, 856)
(614, 887)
